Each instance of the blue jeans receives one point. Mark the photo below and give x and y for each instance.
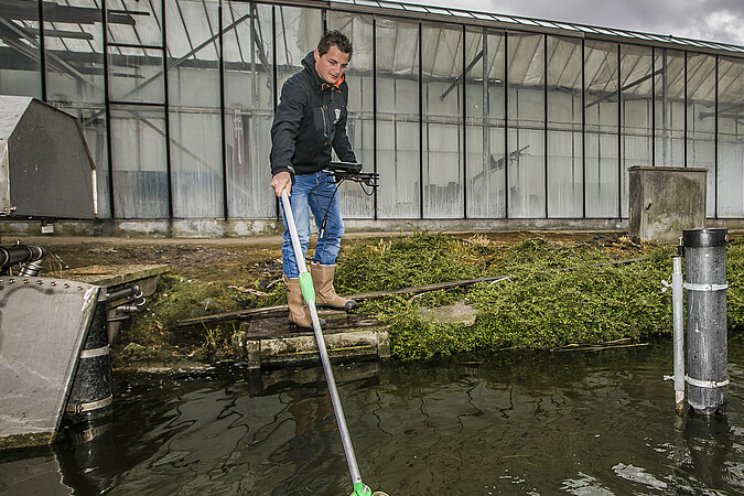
(313, 193)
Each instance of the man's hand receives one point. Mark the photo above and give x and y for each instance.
(280, 181)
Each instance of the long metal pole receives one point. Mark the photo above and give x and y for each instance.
(308, 294)
(679, 333)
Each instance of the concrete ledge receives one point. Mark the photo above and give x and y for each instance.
(247, 228)
(110, 276)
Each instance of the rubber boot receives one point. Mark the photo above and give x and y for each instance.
(325, 294)
(299, 313)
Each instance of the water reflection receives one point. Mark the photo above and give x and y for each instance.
(584, 422)
(34, 472)
(85, 456)
(709, 441)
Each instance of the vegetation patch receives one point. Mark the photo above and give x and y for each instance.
(559, 292)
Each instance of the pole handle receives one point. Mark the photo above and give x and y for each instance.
(296, 248)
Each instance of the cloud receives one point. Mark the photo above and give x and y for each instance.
(722, 20)
(725, 26)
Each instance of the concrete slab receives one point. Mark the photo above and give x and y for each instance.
(43, 325)
(457, 313)
(110, 276)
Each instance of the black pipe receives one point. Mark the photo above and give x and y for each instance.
(86, 460)
(132, 291)
(705, 282)
(20, 254)
(135, 299)
(91, 396)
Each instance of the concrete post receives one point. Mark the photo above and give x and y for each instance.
(665, 200)
(705, 282)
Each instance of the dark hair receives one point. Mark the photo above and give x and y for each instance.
(337, 38)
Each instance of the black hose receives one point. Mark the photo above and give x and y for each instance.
(20, 254)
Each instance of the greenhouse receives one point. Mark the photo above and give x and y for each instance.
(471, 119)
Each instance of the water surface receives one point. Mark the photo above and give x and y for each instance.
(596, 422)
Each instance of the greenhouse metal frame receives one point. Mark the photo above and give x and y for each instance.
(471, 119)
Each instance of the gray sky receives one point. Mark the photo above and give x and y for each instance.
(712, 20)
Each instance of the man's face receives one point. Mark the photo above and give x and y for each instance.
(331, 66)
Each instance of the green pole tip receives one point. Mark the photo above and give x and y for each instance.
(361, 489)
(306, 286)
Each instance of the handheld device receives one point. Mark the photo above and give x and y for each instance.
(352, 171)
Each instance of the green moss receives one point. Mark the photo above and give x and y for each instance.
(178, 298)
(735, 294)
(17, 441)
(394, 263)
(556, 295)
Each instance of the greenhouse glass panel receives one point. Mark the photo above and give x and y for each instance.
(435, 10)
(483, 16)
(388, 5)
(600, 140)
(636, 76)
(74, 56)
(194, 106)
(485, 120)
(567, 27)
(193, 33)
(565, 156)
(139, 163)
(356, 202)
(297, 33)
(398, 130)
(412, 8)
(249, 108)
(730, 173)
(669, 83)
(136, 75)
(141, 22)
(701, 120)
(21, 73)
(442, 121)
(526, 114)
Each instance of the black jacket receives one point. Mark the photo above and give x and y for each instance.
(310, 119)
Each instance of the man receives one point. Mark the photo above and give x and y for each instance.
(310, 121)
